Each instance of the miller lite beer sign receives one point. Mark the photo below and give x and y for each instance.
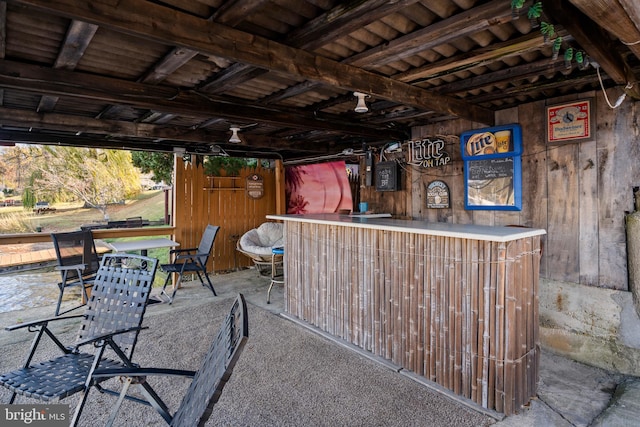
(428, 154)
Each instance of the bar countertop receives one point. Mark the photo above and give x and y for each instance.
(463, 231)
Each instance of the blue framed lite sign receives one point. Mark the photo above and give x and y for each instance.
(492, 168)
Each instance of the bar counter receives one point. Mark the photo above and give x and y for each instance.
(455, 304)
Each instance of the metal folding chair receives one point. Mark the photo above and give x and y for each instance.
(78, 263)
(110, 326)
(191, 260)
(208, 381)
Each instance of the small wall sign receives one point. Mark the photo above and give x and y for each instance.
(570, 122)
(428, 154)
(255, 186)
(387, 176)
(438, 195)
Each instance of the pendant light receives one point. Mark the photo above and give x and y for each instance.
(235, 139)
(361, 107)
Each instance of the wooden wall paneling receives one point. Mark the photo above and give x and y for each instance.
(482, 217)
(618, 155)
(455, 181)
(452, 174)
(418, 208)
(279, 188)
(505, 117)
(588, 209)
(563, 231)
(409, 175)
(421, 180)
(534, 170)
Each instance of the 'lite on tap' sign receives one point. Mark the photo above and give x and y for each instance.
(428, 154)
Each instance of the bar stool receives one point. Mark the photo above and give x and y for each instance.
(277, 255)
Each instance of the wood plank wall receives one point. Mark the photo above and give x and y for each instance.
(196, 205)
(437, 306)
(579, 192)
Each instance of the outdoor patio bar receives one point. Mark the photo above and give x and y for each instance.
(456, 304)
(447, 189)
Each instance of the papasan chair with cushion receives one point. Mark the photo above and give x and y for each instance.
(258, 244)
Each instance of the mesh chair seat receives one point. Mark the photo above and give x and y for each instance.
(55, 379)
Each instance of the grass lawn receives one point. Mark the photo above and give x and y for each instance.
(149, 205)
(70, 216)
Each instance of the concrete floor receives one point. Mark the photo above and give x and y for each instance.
(569, 393)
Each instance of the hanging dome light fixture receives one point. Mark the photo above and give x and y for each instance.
(361, 107)
(235, 139)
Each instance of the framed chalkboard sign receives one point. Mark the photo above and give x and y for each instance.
(387, 176)
(493, 168)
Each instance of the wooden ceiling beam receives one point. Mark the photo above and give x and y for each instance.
(173, 60)
(460, 25)
(230, 77)
(289, 92)
(596, 43)
(124, 132)
(11, 117)
(44, 80)
(506, 75)
(154, 22)
(23, 137)
(335, 23)
(529, 43)
(179, 56)
(3, 29)
(231, 13)
(79, 35)
(342, 20)
(539, 86)
(619, 17)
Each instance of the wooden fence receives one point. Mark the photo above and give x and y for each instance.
(198, 202)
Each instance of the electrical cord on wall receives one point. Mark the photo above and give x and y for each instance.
(620, 98)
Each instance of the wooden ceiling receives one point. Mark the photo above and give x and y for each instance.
(166, 74)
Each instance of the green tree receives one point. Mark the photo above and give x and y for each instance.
(28, 199)
(16, 165)
(158, 164)
(95, 176)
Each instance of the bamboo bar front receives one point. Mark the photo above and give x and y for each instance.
(456, 304)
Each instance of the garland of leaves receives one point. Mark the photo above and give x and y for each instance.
(534, 13)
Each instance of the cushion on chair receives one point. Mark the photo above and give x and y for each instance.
(262, 240)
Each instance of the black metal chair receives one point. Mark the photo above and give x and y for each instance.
(110, 325)
(192, 260)
(208, 382)
(78, 263)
